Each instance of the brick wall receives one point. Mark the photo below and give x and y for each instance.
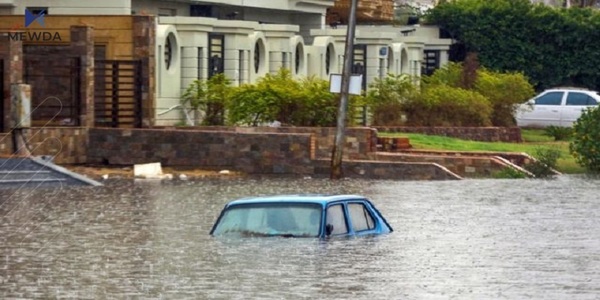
(250, 152)
(360, 141)
(246, 152)
(6, 145)
(484, 134)
(11, 54)
(465, 166)
(68, 145)
(388, 170)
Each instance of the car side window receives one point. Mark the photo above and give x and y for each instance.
(337, 218)
(551, 98)
(360, 217)
(580, 99)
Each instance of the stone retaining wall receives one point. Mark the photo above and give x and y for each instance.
(469, 167)
(253, 150)
(6, 145)
(67, 145)
(519, 159)
(246, 152)
(484, 134)
(388, 170)
(360, 141)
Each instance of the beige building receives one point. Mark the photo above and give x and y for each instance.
(246, 39)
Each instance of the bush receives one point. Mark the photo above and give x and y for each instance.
(208, 97)
(585, 146)
(504, 91)
(546, 159)
(278, 97)
(509, 173)
(442, 105)
(386, 96)
(450, 74)
(559, 133)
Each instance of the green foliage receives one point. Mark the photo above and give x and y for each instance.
(546, 159)
(585, 146)
(194, 97)
(559, 133)
(386, 98)
(319, 107)
(543, 42)
(279, 97)
(503, 91)
(442, 105)
(209, 97)
(450, 74)
(509, 173)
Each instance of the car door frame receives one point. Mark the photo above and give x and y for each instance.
(546, 115)
(572, 110)
(378, 219)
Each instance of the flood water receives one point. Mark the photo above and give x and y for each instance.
(471, 239)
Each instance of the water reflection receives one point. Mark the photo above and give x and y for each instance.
(460, 239)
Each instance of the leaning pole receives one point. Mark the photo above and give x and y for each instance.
(338, 146)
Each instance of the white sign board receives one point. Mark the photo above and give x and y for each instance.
(335, 84)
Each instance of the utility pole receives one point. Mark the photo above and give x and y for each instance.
(338, 146)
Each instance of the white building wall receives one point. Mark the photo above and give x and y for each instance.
(168, 80)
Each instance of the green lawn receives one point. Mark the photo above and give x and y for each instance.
(533, 140)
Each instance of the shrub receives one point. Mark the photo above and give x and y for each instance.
(585, 146)
(386, 97)
(450, 74)
(208, 97)
(278, 97)
(546, 159)
(559, 133)
(509, 173)
(442, 105)
(504, 91)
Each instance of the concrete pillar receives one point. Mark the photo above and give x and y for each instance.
(244, 56)
(20, 116)
(275, 61)
(203, 63)
(21, 105)
(444, 57)
(189, 67)
(231, 63)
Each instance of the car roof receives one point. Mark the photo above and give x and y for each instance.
(570, 89)
(300, 198)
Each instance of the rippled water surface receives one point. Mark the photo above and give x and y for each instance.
(471, 239)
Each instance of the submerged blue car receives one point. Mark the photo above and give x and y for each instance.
(300, 216)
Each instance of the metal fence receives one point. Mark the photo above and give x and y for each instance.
(118, 93)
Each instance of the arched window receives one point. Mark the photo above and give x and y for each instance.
(257, 54)
(168, 50)
(299, 57)
(390, 65)
(328, 59)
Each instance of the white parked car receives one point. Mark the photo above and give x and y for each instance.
(557, 107)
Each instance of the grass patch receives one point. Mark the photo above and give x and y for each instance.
(533, 139)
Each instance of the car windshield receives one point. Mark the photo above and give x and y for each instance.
(270, 219)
